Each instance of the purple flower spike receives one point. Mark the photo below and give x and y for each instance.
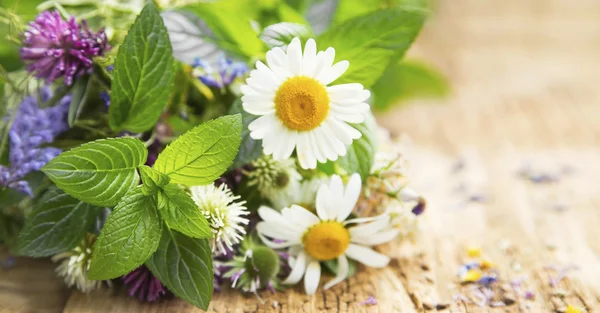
(31, 129)
(53, 47)
(144, 285)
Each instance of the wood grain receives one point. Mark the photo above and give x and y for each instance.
(524, 75)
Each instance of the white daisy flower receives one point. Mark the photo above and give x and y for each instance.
(225, 216)
(274, 179)
(297, 108)
(326, 236)
(74, 266)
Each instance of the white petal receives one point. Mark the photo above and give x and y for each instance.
(297, 270)
(360, 108)
(336, 188)
(338, 147)
(294, 56)
(367, 256)
(351, 195)
(323, 145)
(354, 118)
(300, 216)
(370, 228)
(378, 238)
(269, 215)
(322, 202)
(341, 274)
(272, 230)
(309, 59)
(259, 108)
(276, 245)
(333, 73)
(258, 86)
(305, 154)
(344, 132)
(324, 61)
(352, 91)
(266, 78)
(314, 146)
(312, 277)
(275, 57)
(286, 148)
(261, 123)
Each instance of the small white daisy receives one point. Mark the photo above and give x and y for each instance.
(225, 216)
(326, 236)
(74, 266)
(274, 179)
(297, 108)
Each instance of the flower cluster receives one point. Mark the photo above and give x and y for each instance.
(54, 47)
(257, 176)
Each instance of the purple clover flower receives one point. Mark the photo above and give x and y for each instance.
(31, 128)
(224, 74)
(54, 47)
(144, 285)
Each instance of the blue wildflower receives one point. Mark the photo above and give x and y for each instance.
(31, 129)
(223, 74)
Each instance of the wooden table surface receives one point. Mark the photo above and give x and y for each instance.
(525, 91)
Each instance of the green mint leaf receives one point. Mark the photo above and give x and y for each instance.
(407, 80)
(56, 224)
(99, 172)
(78, 97)
(250, 149)
(361, 154)
(191, 38)
(129, 237)
(153, 180)
(143, 75)
(184, 265)
(181, 213)
(202, 154)
(372, 42)
(281, 34)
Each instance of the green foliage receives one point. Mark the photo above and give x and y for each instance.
(153, 180)
(184, 265)
(232, 34)
(56, 224)
(202, 154)
(143, 75)
(181, 213)
(407, 80)
(250, 149)
(99, 172)
(361, 154)
(129, 237)
(372, 41)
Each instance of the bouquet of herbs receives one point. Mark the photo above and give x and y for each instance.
(181, 147)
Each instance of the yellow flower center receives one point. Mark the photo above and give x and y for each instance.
(326, 241)
(301, 103)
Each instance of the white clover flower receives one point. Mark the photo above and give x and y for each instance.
(274, 179)
(298, 110)
(225, 216)
(74, 266)
(326, 236)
